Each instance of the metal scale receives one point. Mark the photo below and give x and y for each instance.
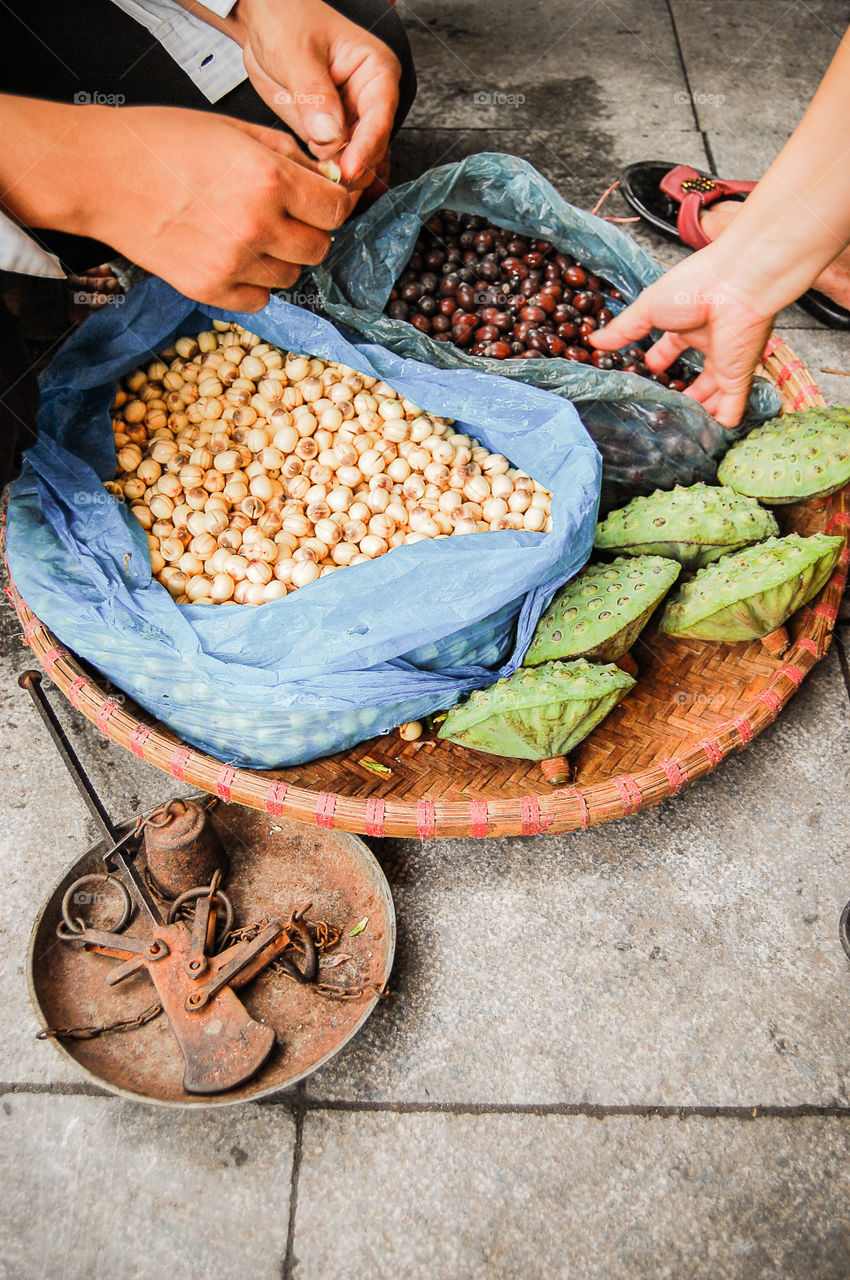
(136, 960)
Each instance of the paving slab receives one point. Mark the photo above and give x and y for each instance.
(511, 66)
(96, 1189)
(687, 955)
(756, 61)
(572, 1198)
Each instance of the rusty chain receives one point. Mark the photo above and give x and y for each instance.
(325, 936)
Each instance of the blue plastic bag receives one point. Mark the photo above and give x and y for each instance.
(649, 437)
(345, 658)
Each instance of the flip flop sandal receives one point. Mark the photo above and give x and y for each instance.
(671, 199)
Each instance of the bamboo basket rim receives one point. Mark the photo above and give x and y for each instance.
(566, 809)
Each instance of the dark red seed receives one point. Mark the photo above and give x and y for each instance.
(398, 310)
(461, 334)
(486, 333)
(449, 285)
(535, 315)
(545, 301)
(528, 288)
(602, 360)
(567, 330)
(440, 323)
(422, 323)
(429, 282)
(575, 276)
(530, 354)
(552, 290)
(676, 384)
(554, 345)
(428, 305)
(577, 353)
(605, 316)
(582, 301)
(533, 258)
(588, 324)
(498, 350)
(411, 292)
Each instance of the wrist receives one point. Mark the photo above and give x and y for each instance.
(49, 162)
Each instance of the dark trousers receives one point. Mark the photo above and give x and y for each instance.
(55, 49)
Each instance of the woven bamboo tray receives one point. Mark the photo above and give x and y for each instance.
(694, 703)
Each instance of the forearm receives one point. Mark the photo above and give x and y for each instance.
(43, 146)
(797, 220)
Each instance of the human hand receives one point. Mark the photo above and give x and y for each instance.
(699, 305)
(222, 210)
(332, 82)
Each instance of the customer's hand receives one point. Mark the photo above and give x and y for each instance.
(332, 82)
(699, 305)
(222, 210)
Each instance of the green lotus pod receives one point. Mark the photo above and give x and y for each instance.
(537, 713)
(751, 593)
(694, 525)
(798, 456)
(600, 613)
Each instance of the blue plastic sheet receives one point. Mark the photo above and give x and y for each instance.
(649, 437)
(340, 660)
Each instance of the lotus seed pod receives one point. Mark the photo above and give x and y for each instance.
(538, 712)
(798, 456)
(600, 613)
(694, 525)
(749, 594)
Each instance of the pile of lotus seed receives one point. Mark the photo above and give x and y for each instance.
(255, 471)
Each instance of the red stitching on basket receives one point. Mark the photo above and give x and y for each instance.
(178, 761)
(223, 781)
(325, 806)
(630, 794)
(828, 611)
(52, 656)
(675, 776)
(478, 817)
(30, 629)
(809, 645)
(74, 689)
(573, 793)
(138, 738)
(530, 811)
(712, 749)
(772, 344)
(802, 396)
(771, 699)
(841, 519)
(787, 369)
(375, 810)
(275, 797)
(107, 709)
(794, 674)
(426, 824)
(744, 727)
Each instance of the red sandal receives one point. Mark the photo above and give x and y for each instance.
(671, 199)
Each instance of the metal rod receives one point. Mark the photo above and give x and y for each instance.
(31, 681)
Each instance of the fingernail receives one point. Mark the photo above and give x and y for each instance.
(325, 128)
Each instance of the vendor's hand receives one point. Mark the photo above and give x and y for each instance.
(222, 210)
(332, 82)
(699, 305)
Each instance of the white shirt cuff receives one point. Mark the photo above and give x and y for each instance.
(211, 59)
(20, 253)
